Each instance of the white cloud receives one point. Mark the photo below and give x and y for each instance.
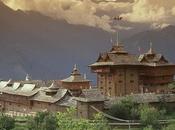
(173, 11)
(151, 11)
(159, 26)
(86, 12)
(73, 11)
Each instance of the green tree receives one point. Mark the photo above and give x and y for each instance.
(6, 122)
(49, 122)
(42, 121)
(149, 116)
(99, 122)
(68, 121)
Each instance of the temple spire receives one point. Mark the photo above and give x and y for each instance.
(151, 49)
(75, 67)
(75, 70)
(111, 40)
(85, 77)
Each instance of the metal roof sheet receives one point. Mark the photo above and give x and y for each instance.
(3, 84)
(16, 85)
(43, 97)
(75, 78)
(91, 95)
(28, 87)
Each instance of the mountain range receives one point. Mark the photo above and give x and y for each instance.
(47, 48)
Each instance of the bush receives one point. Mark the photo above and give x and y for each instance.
(42, 121)
(6, 122)
(149, 116)
(125, 109)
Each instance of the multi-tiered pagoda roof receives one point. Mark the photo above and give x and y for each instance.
(116, 56)
(75, 76)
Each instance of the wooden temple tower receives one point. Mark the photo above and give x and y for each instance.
(120, 73)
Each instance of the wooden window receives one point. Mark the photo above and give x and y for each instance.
(120, 81)
(120, 74)
(31, 103)
(131, 81)
(9, 85)
(131, 74)
(110, 75)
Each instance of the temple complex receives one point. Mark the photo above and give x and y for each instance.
(120, 73)
(144, 77)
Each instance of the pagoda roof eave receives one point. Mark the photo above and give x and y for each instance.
(81, 99)
(114, 64)
(76, 81)
(71, 79)
(128, 64)
(156, 65)
(101, 64)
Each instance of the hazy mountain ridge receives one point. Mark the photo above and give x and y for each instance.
(44, 47)
(163, 41)
(47, 48)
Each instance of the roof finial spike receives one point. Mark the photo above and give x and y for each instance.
(111, 40)
(75, 70)
(75, 67)
(85, 77)
(117, 38)
(28, 78)
(151, 44)
(151, 48)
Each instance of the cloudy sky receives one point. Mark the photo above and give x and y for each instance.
(99, 13)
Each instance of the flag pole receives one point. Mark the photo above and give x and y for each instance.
(117, 19)
(117, 37)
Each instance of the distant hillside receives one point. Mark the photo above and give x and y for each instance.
(47, 48)
(163, 41)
